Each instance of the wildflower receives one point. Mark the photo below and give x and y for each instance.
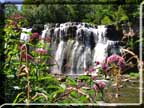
(101, 85)
(94, 77)
(118, 60)
(26, 56)
(14, 23)
(104, 67)
(95, 87)
(21, 47)
(16, 17)
(97, 63)
(91, 69)
(35, 36)
(41, 51)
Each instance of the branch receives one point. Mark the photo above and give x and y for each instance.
(39, 94)
(70, 89)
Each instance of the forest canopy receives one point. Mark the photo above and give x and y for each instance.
(91, 13)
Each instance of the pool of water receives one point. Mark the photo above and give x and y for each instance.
(129, 92)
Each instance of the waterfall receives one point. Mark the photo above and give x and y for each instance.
(24, 36)
(76, 46)
(59, 56)
(100, 50)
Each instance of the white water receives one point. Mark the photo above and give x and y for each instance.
(43, 34)
(74, 57)
(25, 34)
(100, 52)
(79, 52)
(59, 57)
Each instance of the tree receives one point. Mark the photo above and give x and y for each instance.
(10, 9)
(94, 13)
(2, 55)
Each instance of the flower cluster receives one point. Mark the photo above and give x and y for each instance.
(99, 85)
(118, 60)
(24, 55)
(35, 35)
(104, 67)
(16, 17)
(41, 51)
(34, 38)
(15, 21)
(95, 68)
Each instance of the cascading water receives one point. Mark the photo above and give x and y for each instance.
(76, 46)
(100, 50)
(25, 34)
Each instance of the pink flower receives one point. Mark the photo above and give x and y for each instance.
(13, 23)
(16, 17)
(21, 46)
(95, 87)
(41, 51)
(26, 56)
(101, 85)
(104, 67)
(116, 59)
(35, 35)
(91, 69)
(97, 63)
(94, 77)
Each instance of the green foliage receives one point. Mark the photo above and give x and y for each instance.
(15, 101)
(96, 14)
(10, 9)
(30, 80)
(120, 15)
(71, 81)
(134, 74)
(106, 21)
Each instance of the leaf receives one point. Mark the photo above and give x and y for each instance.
(63, 86)
(49, 80)
(53, 87)
(74, 94)
(84, 77)
(38, 89)
(38, 98)
(10, 76)
(15, 100)
(83, 99)
(71, 82)
(55, 93)
(16, 63)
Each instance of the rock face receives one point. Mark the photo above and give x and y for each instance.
(76, 46)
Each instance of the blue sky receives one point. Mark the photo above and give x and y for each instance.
(14, 1)
(11, 1)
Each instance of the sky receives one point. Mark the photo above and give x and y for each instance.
(14, 1)
(10, 1)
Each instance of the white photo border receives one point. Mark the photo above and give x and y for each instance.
(107, 104)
